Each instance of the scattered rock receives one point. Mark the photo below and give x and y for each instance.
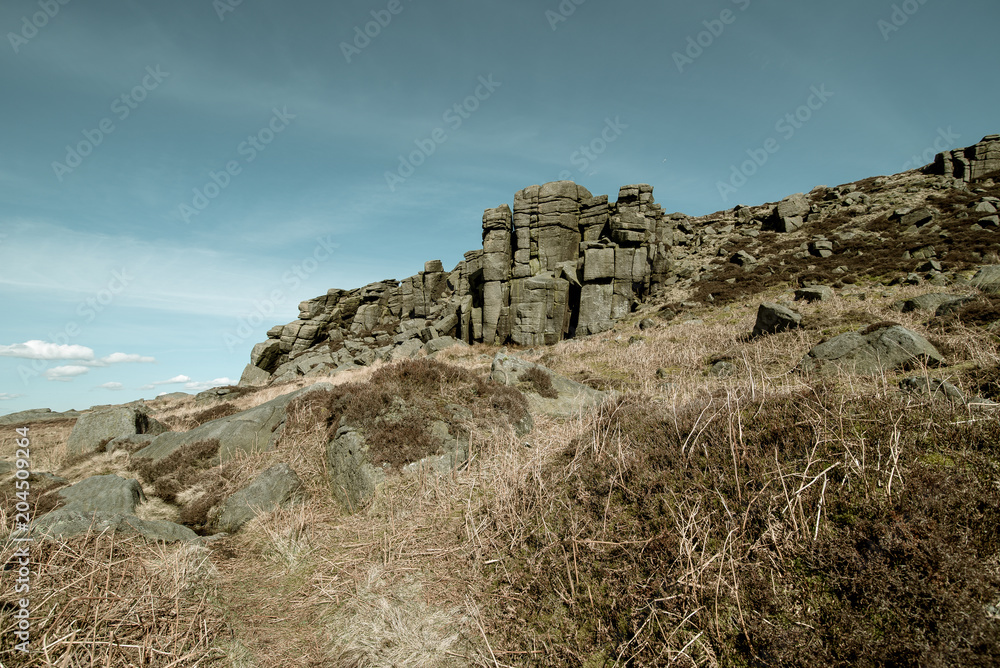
(95, 429)
(646, 323)
(928, 302)
(816, 293)
(275, 487)
(772, 318)
(932, 387)
(723, 369)
(877, 348)
(987, 279)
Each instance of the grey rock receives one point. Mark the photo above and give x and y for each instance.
(772, 318)
(646, 323)
(254, 376)
(815, 293)
(932, 387)
(353, 478)
(573, 398)
(723, 369)
(743, 259)
(100, 426)
(987, 279)
(443, 343)
(36, 415)
(274, 488)
(928, 302)
(104, 493)
(63, 523)
(250, 431)
(984, 207)
(871, 352)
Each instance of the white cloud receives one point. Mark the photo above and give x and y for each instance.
(207, 385)
(121, 358)
(42, 350)
(111, 386)
(7, 397)
(64, 374)
(176, 380)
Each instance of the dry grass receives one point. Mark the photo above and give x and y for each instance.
(113, 601)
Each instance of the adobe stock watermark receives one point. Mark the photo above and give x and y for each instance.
(585, 156)
(565, 9)
(943, 142)
(697, 44)
(122, 107)
(223, 7)
(31, 25)
(265, 307)
(87, 310)
(900, 16)
(363, 35)
(787, 126)
(454, 117)
(249, 149)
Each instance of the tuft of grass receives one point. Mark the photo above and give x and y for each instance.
(540, 382)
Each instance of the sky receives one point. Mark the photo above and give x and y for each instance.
(175, 177)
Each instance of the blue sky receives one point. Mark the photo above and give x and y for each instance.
(176, 177)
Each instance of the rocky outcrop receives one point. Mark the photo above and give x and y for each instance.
(969, 163)
(93, 430)
(560, 263)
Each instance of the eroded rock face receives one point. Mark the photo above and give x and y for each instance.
(971, 162)
(560, 263)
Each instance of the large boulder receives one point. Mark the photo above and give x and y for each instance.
(253, 430)
(103, 493)
(272, 489)
(547, 392)
(63, 523)
(353, 478)
(95, 429)
(772, 318)
(102, 503)
(871, 351)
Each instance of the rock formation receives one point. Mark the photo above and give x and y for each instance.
(562, 263)
(970, 163)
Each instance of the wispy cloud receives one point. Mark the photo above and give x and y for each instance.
(64, 374)
(4, 396)
(111, 386)
(176, 380)
(207, 385)
(42, 350)
(121, 358)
